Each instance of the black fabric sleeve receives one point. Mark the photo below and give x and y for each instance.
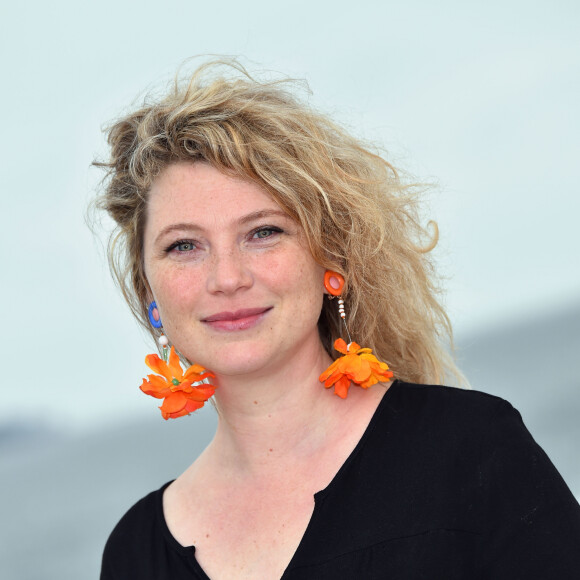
(534, 520)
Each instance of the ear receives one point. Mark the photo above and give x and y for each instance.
(149, 296)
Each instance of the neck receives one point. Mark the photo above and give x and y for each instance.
(276, 416)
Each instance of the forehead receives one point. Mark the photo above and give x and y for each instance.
(196, 190)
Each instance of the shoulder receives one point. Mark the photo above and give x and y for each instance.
(448, 409)
(139, 528)
(443, 395)
(438, 434)
(469, 433)
(450, 431)
(140, 517)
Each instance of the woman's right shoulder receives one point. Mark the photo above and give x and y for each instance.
(140, 526)
(141, 515)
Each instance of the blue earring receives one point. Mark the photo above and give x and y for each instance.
(154, 317)
(155, 321)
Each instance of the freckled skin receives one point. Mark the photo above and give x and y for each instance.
(230, 268)
(214, 244)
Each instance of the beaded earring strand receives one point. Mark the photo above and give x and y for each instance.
(357, 365)
(182, 392)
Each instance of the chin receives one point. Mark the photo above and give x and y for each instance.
(240, 367)
(233, 362)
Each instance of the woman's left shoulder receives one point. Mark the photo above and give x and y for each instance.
(448, 404)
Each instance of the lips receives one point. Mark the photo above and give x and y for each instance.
(238, 320)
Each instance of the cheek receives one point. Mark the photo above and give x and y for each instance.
(174, 287)
(302, 282)
(293, 274)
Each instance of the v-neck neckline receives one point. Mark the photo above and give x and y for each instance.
(319, 496)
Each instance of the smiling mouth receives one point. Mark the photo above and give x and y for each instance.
(238, 320)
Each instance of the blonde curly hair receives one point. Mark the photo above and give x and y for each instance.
(360, 218)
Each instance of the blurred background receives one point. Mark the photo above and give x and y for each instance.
(479, 98)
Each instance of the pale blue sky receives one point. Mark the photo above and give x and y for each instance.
(481, 97)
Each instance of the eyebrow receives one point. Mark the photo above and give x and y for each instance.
(255, 215)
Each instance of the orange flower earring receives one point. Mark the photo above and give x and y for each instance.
(182, 392)
(357, 365)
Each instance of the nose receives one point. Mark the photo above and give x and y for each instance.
(228, 273)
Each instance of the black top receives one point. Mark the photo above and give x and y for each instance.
(444, 484)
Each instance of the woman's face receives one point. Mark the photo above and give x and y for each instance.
(236, 285)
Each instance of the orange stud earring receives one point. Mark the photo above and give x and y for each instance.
(333, 282)
(357, 365)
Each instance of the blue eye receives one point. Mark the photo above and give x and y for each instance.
(266, 232)
(182, 246)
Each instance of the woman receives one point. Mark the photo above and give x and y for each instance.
(241, 214)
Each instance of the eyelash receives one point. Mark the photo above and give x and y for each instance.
(175, 245)
(273, 229)
(252, 234)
